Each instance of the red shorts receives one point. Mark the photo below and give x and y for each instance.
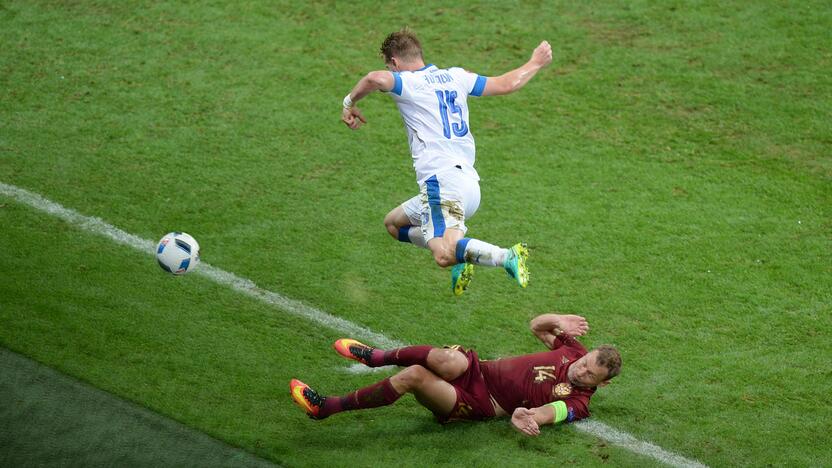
(473, 402)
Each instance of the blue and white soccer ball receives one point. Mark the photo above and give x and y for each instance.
(178, 253)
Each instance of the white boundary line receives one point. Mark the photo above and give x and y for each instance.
(245, 286)
(624, 440)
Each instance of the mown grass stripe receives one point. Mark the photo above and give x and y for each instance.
(49, 418)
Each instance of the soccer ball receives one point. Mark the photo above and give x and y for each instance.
(177, 253)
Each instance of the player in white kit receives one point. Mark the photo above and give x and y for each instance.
(433, 103)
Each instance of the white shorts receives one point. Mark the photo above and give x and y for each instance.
(445, 201)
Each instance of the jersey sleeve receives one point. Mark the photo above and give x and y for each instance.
(397, 84)
(570, 409)
(565, 340)
(474, 84)
(576, 409)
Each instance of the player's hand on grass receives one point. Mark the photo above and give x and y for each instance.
(523, 420)
(542, 54)
(352, 117)
(573, 325)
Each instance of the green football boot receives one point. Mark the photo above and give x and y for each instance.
(461, 274)
(515, 264)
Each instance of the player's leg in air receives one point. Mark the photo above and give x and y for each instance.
(426, 375)
(408, 228)
(435, 220)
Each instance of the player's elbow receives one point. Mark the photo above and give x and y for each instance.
(534, 325)
(380, 80)
(512, 86)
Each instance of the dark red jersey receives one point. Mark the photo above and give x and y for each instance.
(533, 380)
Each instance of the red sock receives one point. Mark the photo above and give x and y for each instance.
(376, 358)
(379, 394)
(408, 356)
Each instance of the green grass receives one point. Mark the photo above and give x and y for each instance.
(52, 419)
(671, 172)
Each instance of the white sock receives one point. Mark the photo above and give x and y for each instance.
(482, 253)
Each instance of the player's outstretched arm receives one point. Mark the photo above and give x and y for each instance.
(517, 78)
(373, 81)
(546, 327)
(529, 420)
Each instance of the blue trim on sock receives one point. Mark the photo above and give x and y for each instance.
(460, 249)
(404, 234)
(435, 203)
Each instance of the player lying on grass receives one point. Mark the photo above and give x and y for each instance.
(535, 389)
(433, 103)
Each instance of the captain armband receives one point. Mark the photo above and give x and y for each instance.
(560, 411)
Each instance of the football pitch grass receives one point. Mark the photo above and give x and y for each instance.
(671, 173)
(49, 419)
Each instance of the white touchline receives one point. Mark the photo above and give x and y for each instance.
(245, 286)
(622, 439)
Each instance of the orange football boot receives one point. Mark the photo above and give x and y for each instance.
(355, 350)
(306, 398)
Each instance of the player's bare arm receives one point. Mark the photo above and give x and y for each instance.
(373, 81)
(517, 78)
(528, 420)
(547, 326)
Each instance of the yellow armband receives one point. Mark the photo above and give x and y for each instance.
(560, 411)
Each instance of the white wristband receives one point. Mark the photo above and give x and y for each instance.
(348, 102)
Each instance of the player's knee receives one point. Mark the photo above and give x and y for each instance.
(412, 377)
(392, 229)
(442, 356)
(444, 258)
(447, 363)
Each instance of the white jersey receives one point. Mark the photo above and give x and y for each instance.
(433, 103)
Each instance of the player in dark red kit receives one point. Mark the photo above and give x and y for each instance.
(535, 389)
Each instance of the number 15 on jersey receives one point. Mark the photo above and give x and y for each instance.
(448, 107)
